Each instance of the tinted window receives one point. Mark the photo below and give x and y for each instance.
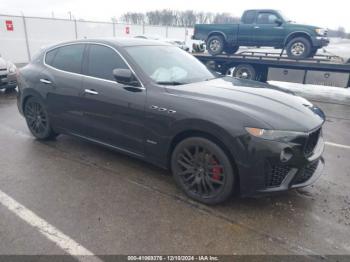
(50, 56)
(102, 61)
(249, 17)
(69, 58)
(266, 18)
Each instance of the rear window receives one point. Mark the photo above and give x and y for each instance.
(68, 58)
(50, 56)
(249, 17)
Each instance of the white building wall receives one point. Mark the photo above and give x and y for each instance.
(41, 32)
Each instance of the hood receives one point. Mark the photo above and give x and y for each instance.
(3, 63)
(303, 27)
(280, 109)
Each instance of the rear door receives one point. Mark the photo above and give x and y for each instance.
(62, 80)
(266, 31)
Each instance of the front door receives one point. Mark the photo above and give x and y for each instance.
(267, 32)
(113, 112)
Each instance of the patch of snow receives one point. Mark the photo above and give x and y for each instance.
(317, 92)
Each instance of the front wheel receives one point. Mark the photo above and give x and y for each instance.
(299, 48)
(202, 170)
(313, 52)
(37, 119)
(230, 50)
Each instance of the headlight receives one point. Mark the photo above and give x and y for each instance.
(276, 135)
(321, 31)
(12, 68)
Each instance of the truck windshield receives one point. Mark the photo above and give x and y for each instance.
(169, 65)
(284, 17)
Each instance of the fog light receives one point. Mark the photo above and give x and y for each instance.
(286, 155)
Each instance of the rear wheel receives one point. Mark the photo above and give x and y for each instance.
(37, 119)
(299, 48)
(244, 71)
(215, 44)
(203, 170)
(230, 50)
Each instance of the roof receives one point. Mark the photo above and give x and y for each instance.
(119, 42)
(262, 10)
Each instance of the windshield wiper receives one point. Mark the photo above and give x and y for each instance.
(171, 83)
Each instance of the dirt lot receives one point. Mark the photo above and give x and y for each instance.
(112, 204)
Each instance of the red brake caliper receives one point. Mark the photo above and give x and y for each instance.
(216, 170)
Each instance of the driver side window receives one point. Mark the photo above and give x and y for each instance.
(102, 60)
(266, 18)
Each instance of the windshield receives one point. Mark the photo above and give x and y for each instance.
(169, 65)
(284, 17)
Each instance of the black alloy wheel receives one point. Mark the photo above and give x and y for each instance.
(37, 119)
(203, 170)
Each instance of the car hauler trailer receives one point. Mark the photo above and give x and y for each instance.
(264, 66)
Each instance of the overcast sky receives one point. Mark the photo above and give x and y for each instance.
(331, 14)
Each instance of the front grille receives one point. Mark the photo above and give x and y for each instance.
(312, 141)
(306, 173)
(3, 69)
(276, 174)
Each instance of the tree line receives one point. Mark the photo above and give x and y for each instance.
(186, 18)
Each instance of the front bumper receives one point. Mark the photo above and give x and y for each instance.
(7, 80)
(266, 173)
(320, 41)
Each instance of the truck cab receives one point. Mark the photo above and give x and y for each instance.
(263, 27)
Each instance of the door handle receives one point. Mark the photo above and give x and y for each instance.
(91, 92)
(256, 27)
(45, 81)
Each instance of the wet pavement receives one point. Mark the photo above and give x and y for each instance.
(113, 204)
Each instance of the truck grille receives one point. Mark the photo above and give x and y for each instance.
(312, 141)
(276, 174)
(306, 173)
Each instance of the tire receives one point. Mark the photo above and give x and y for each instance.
(299, 48)
(230, 50)
(203, 170)
(313, 52)
(244, 71)
(10, 89)
(37, 119)
(215, 45)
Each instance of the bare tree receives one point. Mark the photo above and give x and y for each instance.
(169, 17)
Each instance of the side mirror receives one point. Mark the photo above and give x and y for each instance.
(126, 77)
(279, 21)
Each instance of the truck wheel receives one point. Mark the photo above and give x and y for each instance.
(215, 44)
(230, 50)
(244, 71)
(313, 52)
(299, 48)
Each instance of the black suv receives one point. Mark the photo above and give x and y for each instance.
(151, 100)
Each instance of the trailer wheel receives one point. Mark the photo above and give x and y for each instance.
(215, 44)
(244, 71)
(230, 50)
(299, 48)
